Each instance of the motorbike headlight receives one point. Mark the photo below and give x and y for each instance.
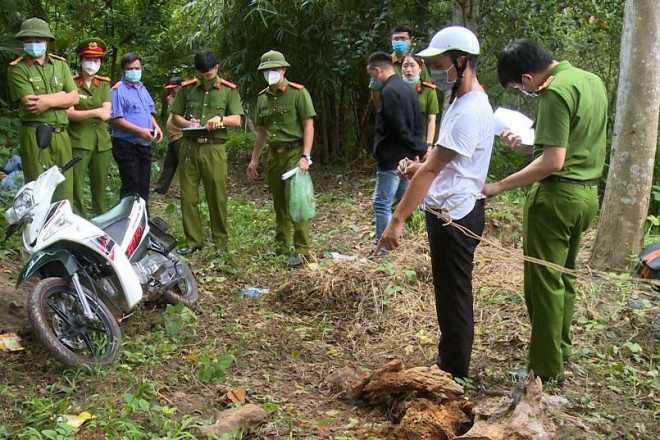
(22, 205)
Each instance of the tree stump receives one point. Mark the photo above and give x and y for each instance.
(522, 419)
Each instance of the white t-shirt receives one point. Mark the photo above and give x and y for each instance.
(467, 129)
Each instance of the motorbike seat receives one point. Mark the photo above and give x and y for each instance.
(115, 221)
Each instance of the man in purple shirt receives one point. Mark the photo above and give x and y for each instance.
(134, 128)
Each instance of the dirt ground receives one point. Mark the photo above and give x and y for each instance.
(364, 315)
(13, 314)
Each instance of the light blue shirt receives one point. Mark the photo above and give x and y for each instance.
(133, 103)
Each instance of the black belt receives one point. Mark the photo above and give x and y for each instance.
(279, 149)
(54, 129)
(553, 178)
(205, 140)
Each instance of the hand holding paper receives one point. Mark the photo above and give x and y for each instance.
(515, 122)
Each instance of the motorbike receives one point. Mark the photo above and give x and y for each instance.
(93, 272)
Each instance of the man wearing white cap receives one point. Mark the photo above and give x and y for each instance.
(450, 182)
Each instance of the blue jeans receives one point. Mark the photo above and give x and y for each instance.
(389, 189)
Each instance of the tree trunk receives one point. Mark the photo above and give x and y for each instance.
(626, 200)
(466, 13)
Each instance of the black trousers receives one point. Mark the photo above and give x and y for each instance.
(134, 163)
(170, 164)
(452, 255)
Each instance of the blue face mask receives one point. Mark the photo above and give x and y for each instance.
(400, 46)
(35, 50)
(375, 84)
(412, 80)
(133, 76)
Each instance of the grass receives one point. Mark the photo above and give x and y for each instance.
(178, 362)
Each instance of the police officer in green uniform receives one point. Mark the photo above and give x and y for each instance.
(203, 107)
(88, 129)
(569, 150)
(427, 92)
(40, 82)
(285, 121)
(401, 37)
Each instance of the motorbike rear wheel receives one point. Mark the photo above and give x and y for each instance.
(186, 291)
(59, 323)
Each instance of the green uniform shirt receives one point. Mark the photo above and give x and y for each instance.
(572, 113)
(428, 97)
(282, 111)
(194, 101)
(91, 134)
(28, 77)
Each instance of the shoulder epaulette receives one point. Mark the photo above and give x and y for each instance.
(188, 82)
(546, 83)
(117, 84)
(76, 76)
(103, 78)
(57, 57)
(16, 61)
(228, 83)
(429, 85)
(296, 85)
(263, 91)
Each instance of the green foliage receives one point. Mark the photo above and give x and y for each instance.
(176, 318)
(239, 143)
(653, 232)
(212, 368)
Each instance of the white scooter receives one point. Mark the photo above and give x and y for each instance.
(93, 272)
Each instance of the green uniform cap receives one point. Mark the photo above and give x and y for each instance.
(36, 28)
(272, 60)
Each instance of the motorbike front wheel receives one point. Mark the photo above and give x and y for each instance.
(186, 290)
(59, 323)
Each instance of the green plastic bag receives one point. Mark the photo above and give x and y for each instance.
(302, 205)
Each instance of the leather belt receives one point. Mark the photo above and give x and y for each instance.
(213, 141)
(553, 178)
(287, 147)
(54, 129)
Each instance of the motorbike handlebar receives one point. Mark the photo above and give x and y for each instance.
(77, 158)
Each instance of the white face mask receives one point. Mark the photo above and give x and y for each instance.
(91, 67)
(272, 77)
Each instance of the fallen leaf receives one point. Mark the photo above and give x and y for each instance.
(237, 395)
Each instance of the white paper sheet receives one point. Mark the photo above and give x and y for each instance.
(515, 122)
(289, 173)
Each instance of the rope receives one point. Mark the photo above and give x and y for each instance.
(442, 213)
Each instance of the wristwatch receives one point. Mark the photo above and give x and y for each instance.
(308, 157)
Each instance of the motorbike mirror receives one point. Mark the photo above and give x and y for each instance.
(44, 136)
